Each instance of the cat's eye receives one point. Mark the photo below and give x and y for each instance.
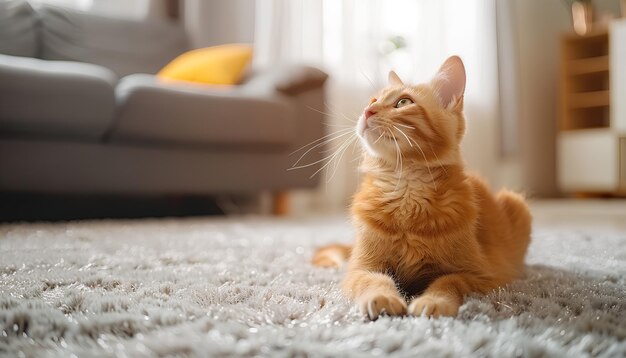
(403, 102)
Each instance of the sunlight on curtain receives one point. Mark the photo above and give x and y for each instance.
(358, 41)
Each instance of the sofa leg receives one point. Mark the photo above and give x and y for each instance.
(281, 203)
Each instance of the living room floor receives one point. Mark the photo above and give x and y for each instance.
(590, 213)
(243, 286)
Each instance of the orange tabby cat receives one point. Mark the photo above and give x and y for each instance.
(426, 229)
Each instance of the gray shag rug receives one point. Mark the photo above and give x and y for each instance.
(244, 287)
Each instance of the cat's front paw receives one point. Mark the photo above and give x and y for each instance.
(430, 305)
(374, 305)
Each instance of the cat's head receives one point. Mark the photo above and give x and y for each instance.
(424, 122)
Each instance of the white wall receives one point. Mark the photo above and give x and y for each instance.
(538, 27)
(217, 22)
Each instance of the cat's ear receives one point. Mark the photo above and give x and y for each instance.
(394, 79)
(449, 82)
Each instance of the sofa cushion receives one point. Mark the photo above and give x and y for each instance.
(54, 98)
(18, 29)
(151, 112)
(218, 65)
(125, 46)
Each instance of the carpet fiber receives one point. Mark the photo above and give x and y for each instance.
(223, 287)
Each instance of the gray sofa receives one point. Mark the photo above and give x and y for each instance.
(81, 112)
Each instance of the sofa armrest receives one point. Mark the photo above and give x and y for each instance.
(68, 99)
(288, 79)
(155, 111)
(303, 87)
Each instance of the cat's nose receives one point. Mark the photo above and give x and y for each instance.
(369, 113)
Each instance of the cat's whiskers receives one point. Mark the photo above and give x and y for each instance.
(405, 136)
(319, 139)
(374, 126)
(404, 125)
(379, 138)
(337, 152)
(329, 150)
(436, 157)
(368, 79)
(327, 105)
(324, 140)
(331, 156)
(432, 178)
(347, 144)
(331, 115)
(338, 125)
(320, 112)
(398, 158)
(340, 149)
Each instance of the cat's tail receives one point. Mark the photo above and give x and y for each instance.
(334, 255)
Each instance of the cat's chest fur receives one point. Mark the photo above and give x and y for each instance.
(408, 196)
(418, 201)
(414, 223)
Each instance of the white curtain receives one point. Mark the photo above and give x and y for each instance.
(358, 41)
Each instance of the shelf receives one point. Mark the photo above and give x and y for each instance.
(599, 34)
(591, 140)
(588, 82)
(589, 99)
(586, 118)
(588, 65)
(585, 96)
(585, 47)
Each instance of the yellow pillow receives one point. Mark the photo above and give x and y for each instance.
(220, 65)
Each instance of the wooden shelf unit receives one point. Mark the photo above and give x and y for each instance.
(584, 66)
(585, 92)
(591, 140)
